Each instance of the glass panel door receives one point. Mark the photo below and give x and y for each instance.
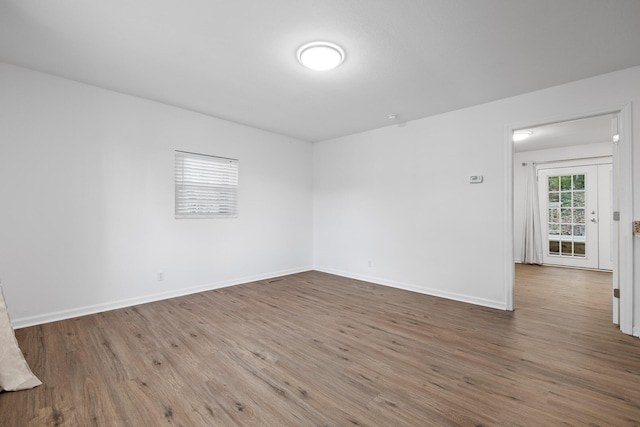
(569, 221)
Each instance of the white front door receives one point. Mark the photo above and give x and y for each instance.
(571, 218)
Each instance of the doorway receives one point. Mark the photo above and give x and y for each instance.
(621, 180)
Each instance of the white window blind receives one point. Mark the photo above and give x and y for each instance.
(206, 186)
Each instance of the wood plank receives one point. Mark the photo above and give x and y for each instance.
(318, 349)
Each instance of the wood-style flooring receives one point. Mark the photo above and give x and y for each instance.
(313, 349)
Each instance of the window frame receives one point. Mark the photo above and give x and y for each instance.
(206, 186)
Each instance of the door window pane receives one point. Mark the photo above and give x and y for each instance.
(567, 217)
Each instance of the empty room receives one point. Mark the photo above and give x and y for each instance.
(319, 213)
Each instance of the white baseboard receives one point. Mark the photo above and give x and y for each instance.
(636, 331)
(24, 322)
(500, 305)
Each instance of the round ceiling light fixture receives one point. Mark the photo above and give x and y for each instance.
(521, 135)
(321, 56)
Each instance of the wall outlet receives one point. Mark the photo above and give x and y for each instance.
(160, 276)
(369, 264)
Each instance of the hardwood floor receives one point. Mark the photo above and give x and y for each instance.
(314, 349)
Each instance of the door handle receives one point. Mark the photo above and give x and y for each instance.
(594, 220)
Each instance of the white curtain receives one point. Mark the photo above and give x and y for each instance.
(532, 233)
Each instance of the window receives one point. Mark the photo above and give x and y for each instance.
(206, 186)
(566, 222)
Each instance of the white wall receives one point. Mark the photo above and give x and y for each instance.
(599, 149)
(87, 193)
(400, 197)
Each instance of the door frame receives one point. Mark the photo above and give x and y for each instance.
(623, 268)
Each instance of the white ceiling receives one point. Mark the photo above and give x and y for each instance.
(236, 59)
(589, 130)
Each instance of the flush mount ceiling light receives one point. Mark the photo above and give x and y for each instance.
(521, 135)
(320, 56)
